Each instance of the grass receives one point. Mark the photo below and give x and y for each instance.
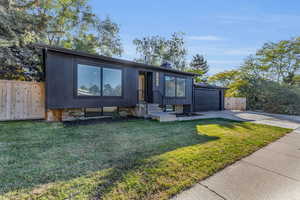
(137, 159)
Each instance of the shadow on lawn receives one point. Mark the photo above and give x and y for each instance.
(233, 124)
(76, 146)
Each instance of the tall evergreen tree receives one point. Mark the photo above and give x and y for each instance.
(199, 65)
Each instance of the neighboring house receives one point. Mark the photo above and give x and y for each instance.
(86, 84)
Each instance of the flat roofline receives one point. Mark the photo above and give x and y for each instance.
(210, 87)
(110, 59)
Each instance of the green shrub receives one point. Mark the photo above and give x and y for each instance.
(273, 97)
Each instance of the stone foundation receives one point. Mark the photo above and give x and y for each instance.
(178, 109)
(54, 115)
(72, 114)
(125, 112)
(58, 115)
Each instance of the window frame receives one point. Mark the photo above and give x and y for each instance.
(165, 82)
(101, 65)
(176, 84)
(100, 84)
(176, 77)
(122, 83)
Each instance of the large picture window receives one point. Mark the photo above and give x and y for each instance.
(180, 87)
(170, 83)
(174, 86)
(98, 81)
(88, 81)
(112, 82)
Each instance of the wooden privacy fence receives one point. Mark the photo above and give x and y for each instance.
(235, 103)
(21, 100)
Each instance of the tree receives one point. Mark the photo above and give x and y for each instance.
(199, 66)
(156, 50)
(281, 60)
(224, 79)
(18, 59)
(65, 23)
(269, 79)
(71, 24)
(102, 39)
(109, 39)
(296, 80)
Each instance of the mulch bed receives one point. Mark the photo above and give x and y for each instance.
(97, 121)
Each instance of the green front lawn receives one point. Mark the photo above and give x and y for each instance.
(137, 159)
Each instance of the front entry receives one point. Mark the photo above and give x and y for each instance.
(145, 91)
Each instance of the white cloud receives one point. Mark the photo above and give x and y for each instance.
(205, 38)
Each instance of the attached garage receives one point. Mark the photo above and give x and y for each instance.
(208, 98)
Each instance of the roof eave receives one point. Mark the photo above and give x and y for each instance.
(110, 59)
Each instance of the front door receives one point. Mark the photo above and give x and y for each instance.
(145, 87)
(149, 87)
(141, 91)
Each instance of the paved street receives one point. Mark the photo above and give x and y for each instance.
(271, 173)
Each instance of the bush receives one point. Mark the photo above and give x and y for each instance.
(273, 97)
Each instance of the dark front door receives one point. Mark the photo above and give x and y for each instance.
(149, 87)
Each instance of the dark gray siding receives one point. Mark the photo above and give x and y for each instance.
(160, 90)
(60, 84)
(206, 99)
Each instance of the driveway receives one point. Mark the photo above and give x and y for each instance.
(271, 173)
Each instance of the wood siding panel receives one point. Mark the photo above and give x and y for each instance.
(20, 100)
(235, 103)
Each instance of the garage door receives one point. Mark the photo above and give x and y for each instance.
(206, 99)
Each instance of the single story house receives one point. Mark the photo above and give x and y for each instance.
(82, 84)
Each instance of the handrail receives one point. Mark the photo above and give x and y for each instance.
(163, 100)
(162, 97)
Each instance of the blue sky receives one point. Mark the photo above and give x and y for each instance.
(225, 32)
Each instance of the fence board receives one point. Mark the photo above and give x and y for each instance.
(20, 100)
(235, 103)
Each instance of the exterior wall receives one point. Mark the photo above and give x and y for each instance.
(208, 99)
(160, 90)
(61, 81)
(61, 84)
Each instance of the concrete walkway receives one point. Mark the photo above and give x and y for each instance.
(271, 173)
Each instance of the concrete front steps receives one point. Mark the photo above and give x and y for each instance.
(163, 116)
(154, 111)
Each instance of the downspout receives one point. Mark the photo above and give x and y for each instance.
(193, 98)
(45, 51)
